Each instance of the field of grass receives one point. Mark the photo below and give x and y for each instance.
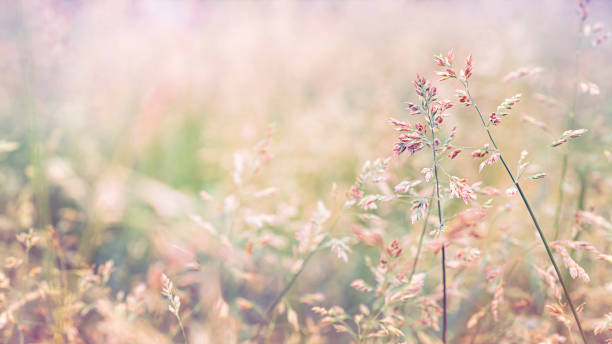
(264, 172)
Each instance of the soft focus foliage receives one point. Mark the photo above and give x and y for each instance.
(261, 172)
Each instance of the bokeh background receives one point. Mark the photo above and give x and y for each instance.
(117, 114)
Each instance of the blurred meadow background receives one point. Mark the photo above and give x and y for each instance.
(215, 143)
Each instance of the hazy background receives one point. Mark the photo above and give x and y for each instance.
(131, 108)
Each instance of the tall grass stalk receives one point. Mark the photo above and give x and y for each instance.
(528, 206)
(440, 220)
(420, 244)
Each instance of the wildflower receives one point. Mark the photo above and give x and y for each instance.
(511, 191)
(406, 186)
(460, 189)
(538, 176)
(445, 61)
(454, 153)
(360, 285)
(311, 234)
(244, 304)
(355, 192)
(446, 74)
(174, 301)
(400, 125)
(373, 171)
(482, 152)
(605, 324)
(534, 121)
(467, 72)
(419, 209)
(593, 219)
(567, 135)
(367, 236)
(427, 172)
(12, 262)
(439, 111)
(558, 312)
(409, 143)
(549, 101)
(550, 281)
(369, 202)
(468, 256)
(576, 271)
(491, 272)
(416, 283)
(507, 104)
(414, 139)
(600, 39)
(522, 164)
(414, 110)
(589, 87)
(498, 296)
(340, 328)
(28, 239)
(520, 73)
(475, 318)
(493, 119)
(340, 248)
(492, 159)
(463, 98)
(393, 250)
(310, 299)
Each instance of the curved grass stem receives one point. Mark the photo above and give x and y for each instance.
(270, 309)
(291, 282)
(531, 214)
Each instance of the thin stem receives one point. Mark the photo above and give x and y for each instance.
(441, 221)
(182, 328)
(270, 331)
(416, 258)
(288, 286)
(279, 297)
(420, 245)
(533, 217)
(444, 294)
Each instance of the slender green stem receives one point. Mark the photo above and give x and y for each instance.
(270, 309)
(420, 245)
(533, 217)
(270, 331)
(444, 294)
(291, 282)
(441, 221)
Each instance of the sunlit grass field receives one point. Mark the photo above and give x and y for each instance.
(224, 172)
